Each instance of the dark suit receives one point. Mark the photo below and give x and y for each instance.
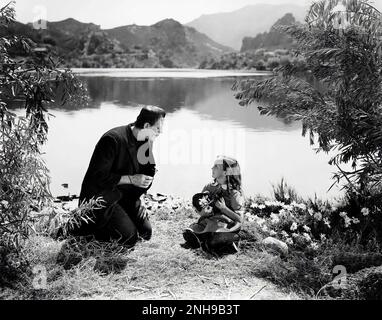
(115, 155)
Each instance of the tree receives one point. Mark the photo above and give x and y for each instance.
(30, 83)
(337, 92)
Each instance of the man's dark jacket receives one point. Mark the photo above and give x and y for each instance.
(114, 156)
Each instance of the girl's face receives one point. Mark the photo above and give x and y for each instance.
(218, 173)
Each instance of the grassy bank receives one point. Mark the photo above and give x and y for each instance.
(158, 269)
(315, 232)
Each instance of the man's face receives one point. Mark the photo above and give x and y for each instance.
(155, 130)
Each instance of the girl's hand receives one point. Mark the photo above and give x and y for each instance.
(220, 204)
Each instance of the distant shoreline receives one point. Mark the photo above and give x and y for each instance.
(167, 73)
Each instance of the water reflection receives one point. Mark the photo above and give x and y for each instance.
(211, 98)
(272, 148)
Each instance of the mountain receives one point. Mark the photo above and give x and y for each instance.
(164, 44)
(274, 39)
(266, 51)
(231, 27)
(180, 44)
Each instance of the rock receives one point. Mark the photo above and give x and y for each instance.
(275, 245)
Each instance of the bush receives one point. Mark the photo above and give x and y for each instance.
(285, 60)
(24, 179)
(282, 52)
(167, 63)
(260, 65)
(273, 63)
(333, 89)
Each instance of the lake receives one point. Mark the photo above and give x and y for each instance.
(204, 120)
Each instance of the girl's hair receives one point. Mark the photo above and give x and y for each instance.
(232, 168)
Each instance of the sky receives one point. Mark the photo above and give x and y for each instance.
(113, 13)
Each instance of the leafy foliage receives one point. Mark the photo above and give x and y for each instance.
(337, 94)
(31, 83)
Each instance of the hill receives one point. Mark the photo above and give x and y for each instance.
(274, 39)
(266, 51)
(231, 27)
(169, 40)
(164, 44)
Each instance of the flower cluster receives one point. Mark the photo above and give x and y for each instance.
(206, 204)
(297, 224)
(307, 223)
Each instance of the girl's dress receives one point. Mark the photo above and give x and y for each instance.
(211, 228)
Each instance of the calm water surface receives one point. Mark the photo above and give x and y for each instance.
(204, 120)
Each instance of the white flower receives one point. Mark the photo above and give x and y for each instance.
(347, 222)
(343, 214)
(261, 207)
(307, 237)
(259, 221)
(318, 216)
(327, 223)
(253, 206)
(314, 246)
(287, 207)
(264, 228)
(289, 241)
(285, 234)
(5, 203)
(356, 221)
(273, 203)
(273, 233)
(306, 228)
(208, 209)
(301, 206)
(275, 218)
(365, 212)
(323, 237)
(294, 227)
(283, 213)
(203, 202)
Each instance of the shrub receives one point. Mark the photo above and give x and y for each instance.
(24, 179)
(282, 52)
(285, 60)
(273, 63)
(333, 89)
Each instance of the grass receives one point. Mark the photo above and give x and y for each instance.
(158, 269)
(163, 269)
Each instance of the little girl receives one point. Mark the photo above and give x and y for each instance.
(220, 206)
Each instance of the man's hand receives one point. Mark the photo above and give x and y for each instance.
(142, 213)
(139, 180)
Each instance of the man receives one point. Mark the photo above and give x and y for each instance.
(121, 170)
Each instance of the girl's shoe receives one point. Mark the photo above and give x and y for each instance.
(191, 239)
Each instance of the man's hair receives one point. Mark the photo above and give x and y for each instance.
(150, 115)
